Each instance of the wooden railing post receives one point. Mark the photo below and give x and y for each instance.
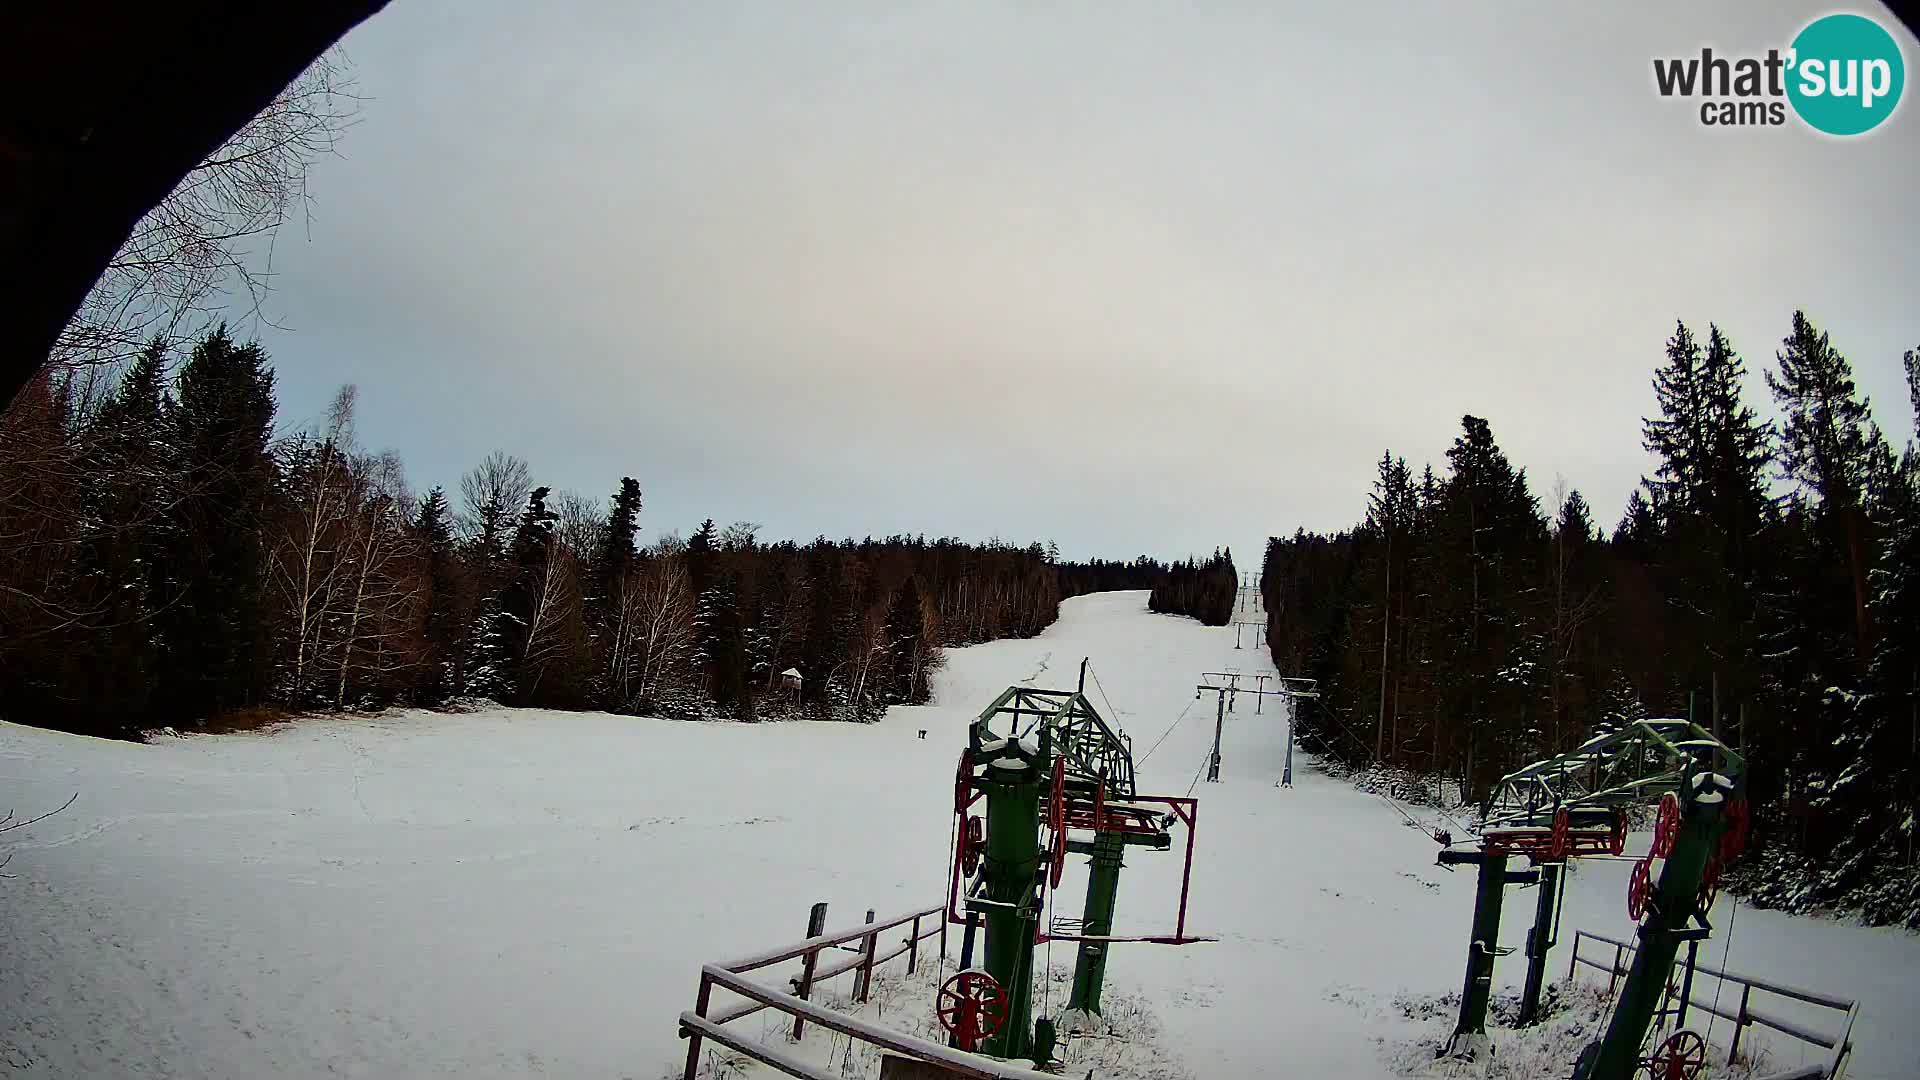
(943, 935)
(816, 925)
(867, 946)
(1613, 976)
(693, 1037)
(913, 947)
(1573, 956)
(1739, 1023)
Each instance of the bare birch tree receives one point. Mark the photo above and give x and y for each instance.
(655, 625)
(492, 494)
(380, 624)
(210, 242)
(306, 560)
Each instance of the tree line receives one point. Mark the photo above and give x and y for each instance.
(170, 559)
(1203, 590)
(1761, 582)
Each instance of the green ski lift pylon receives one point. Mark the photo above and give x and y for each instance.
(1674, 916)
(1059, 765)
(1575, 805)
(1015, 776)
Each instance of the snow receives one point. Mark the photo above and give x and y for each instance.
(511, 893)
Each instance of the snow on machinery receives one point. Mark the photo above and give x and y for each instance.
(1576, 805)
(1053, 769)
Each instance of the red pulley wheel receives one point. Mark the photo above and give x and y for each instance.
(1734, 840)
(1639, 888)
(1057, 821)
(1057, 810)
(971, 1006)
(1618, 839)
(1562, 825)
(1682, 1057)
(1666, 827)
(1709, 886)
(963, 783)
(972, 841)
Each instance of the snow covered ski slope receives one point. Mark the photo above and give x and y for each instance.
(521, 893)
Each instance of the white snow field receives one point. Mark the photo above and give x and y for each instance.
(518, 893)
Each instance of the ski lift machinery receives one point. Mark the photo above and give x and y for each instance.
(1576, 805)
(1045, 764)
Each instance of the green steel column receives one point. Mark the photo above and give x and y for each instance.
(1090, 966)
(1011, 865)
(1480, 951)
(1660, 937)
(1539, 941)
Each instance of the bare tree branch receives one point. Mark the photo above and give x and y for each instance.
(7, 828)
(210, 241)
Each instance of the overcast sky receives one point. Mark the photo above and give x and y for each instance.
(1136, 277)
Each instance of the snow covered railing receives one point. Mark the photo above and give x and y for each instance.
(701, 1024)
(1743, 1015)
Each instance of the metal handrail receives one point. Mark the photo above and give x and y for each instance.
(1744, 1015)
(959, 1061)
(701, 1023)
(814, 944)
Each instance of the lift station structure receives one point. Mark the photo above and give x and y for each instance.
(1577, 805)
(1055, 779)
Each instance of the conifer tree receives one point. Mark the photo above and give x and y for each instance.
(217, 625)
(1678, 437)
(543, 632)
(442, 617)
(825, 645)
(906, 642)
(1384, 544)
(123, 550)
(1491, 526)
(720, 644)
(1827, 445)
(623, 525)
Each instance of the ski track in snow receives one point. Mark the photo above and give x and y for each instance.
(518, 892)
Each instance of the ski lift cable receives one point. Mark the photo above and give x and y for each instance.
(1397, 808)
(1046, 983)
(1164, 734)
(1201, 769)
(1112, 709)
(940, 970)
(1726, 953)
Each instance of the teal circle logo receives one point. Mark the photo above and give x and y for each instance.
(1845, 74)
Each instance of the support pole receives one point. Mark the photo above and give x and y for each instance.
(1540, 941)
(1219, 721)
(966, 941)
(1286, 770)
(1014, 785)
(1686, 983)
(1103, 885)
(868, 946)
(1478, 989)
(816, 925)
(1664, 928)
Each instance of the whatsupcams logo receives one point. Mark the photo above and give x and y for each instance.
(1841, 75)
